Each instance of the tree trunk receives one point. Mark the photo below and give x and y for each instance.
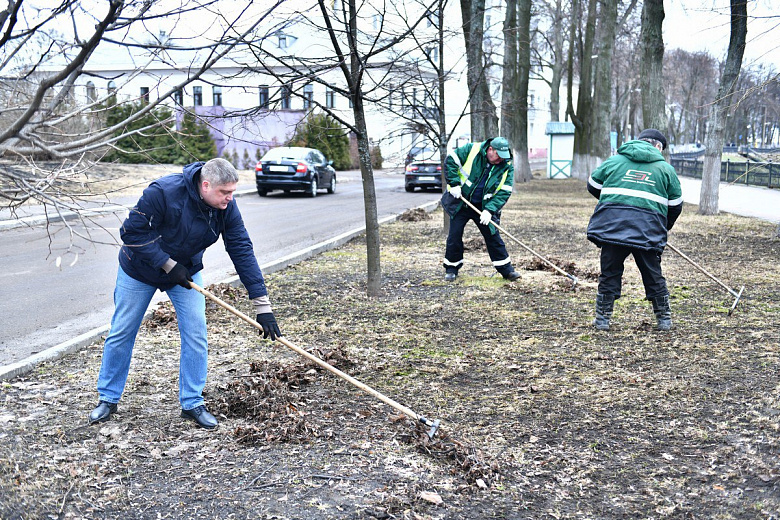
(583, 119)
(374, 282)
(442, 121)
(509, 101)
(484, 121)
(710, 182)
(558, 63)
(522, 166)
(600, 146)
(517, 66)
(651, 71)
(353, 76)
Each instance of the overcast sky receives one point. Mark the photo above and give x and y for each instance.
(704, 25)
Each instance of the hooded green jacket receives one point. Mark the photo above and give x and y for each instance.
(639, 198)
(465, 173)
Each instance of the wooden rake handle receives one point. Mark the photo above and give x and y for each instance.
(327, 366)
(737, 295)
(573, 278)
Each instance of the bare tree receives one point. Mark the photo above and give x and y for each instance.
(484, 121)
(363, 59)
(550, 52)
(708, 201)
(582, 118)
(690, 80)
(602, 85)
(42, 66)
(595, 44)
(653, 99)
(517, 66)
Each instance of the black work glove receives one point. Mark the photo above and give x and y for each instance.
(270, 328)
(180, 276)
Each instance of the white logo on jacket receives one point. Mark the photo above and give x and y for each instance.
(639, 177)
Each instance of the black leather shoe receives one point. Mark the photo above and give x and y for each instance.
(514, 275)
(450, 277)
(102, 412)
(200, 415)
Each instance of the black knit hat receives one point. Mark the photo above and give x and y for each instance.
(652, 133)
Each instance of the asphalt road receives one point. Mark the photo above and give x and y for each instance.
(46, 301)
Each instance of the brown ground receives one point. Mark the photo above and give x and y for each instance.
(542, 416)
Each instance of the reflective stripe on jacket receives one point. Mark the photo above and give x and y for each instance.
(465, 165)
(637, 187)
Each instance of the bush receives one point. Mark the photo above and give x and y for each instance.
(324, 133)
(156, 145)
(376, 157)
(162, 144)
(195, 141)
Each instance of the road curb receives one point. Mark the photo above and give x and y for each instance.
(73, 345)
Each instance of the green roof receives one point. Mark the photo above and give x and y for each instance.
(556, 127)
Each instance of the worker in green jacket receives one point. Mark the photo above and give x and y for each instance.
(639, 201)
(483, 174)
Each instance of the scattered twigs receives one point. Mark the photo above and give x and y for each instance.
(65, 499)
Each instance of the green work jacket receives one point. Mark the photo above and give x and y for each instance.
(464, 167)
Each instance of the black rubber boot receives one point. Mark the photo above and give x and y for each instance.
(604, 305)
(663, 312)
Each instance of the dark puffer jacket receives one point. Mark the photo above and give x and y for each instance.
(171, 221)
(639, 198)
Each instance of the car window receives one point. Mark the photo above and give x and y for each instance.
(283, 152)
(319, 157)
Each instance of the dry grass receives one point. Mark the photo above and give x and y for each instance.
(566, 422)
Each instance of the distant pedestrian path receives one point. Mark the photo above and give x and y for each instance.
(762, 167)
(748, 201)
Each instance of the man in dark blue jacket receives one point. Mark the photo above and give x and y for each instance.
(175, 220)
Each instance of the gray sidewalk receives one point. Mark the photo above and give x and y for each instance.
(748, 201)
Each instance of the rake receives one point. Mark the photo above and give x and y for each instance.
(735, 294)
(573, 278)
(432, 424)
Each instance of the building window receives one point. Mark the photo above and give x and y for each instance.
(264, 101)
(433, 18)
(111, 87)
(197, 96)
(284, 96)
(216, 93)
(144, 94)
(378, 19)
(282, 41)
(308, 96)
(178, 97)
(350, 101)
(433, 54)
(91, 93)
(330, 98)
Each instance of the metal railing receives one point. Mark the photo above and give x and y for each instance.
(748, 173)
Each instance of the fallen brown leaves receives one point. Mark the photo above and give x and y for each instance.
(542, 416)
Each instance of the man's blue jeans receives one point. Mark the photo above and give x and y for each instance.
(131, 299)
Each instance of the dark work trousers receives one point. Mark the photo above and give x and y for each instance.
(453, 256)
(648, 262)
